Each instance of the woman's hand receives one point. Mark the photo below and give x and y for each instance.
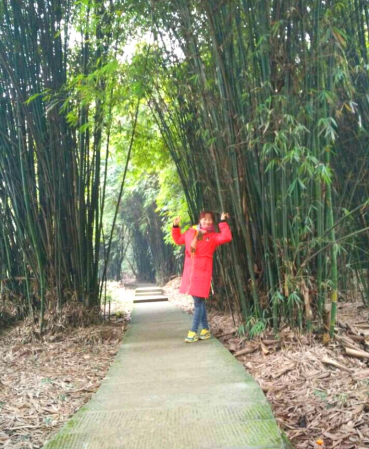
(224, 216)
(176, 221)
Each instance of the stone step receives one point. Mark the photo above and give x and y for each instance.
(150, 298)
(148, 289)
(148, 293)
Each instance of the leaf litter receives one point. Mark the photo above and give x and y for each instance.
(44, 381)
(319, 395)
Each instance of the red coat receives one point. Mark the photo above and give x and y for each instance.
(198, 269)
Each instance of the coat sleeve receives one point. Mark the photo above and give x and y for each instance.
(178, 238)
(225, 234)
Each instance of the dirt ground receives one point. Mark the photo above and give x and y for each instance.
(43, 382)
(315, 403)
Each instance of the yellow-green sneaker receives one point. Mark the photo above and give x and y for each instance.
(191, 337)
(205, 334)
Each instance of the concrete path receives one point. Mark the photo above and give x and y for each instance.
(161, 393)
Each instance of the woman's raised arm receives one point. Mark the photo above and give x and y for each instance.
(178, 238)
(225, 235)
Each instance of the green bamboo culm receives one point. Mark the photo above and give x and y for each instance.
(55, 104)
(263, 109)
(262, 91)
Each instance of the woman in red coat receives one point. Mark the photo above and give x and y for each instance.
(201, 241)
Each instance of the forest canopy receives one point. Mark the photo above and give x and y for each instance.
(256, 108)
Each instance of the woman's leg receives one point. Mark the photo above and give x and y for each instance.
(204, 315)
(197, 316)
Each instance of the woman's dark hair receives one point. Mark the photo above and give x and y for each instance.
(210, 212)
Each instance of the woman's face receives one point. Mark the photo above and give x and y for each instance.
(206, 221)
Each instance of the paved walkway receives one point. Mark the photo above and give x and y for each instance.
(161, 393)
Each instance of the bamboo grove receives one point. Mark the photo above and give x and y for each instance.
(54, 131)
(264, 108)
(266, 115)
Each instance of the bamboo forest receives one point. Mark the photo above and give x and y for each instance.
(117, 116)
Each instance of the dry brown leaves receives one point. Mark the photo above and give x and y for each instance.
(42, 383)
(311, 400)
